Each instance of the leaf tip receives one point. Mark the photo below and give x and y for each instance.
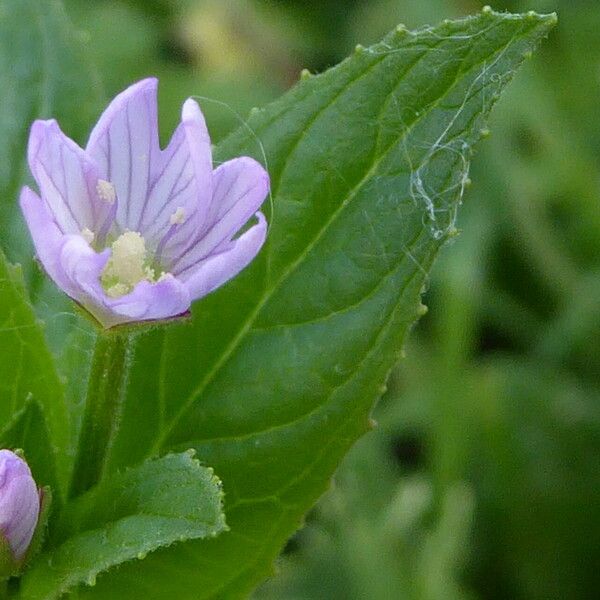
(548, 20)
(191, 452)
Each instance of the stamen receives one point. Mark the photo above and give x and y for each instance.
(117, 290)
(178, 217)
(88, 235)
(127, 265)
(106, 191)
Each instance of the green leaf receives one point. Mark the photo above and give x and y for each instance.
(43, 74)
(41, 529)
(275, 378)
(156, 504)
(31, 396)
(8, 565)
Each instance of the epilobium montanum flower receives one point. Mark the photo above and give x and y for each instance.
(19, 503)
(133, 232)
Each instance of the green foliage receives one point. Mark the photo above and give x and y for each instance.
(43, 74)
(279, 369)
(499, 391)
(107, 381)
(276, 375)
(158, 503)
(28, 381)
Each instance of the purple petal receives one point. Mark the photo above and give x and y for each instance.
(148, 301)
(124, 144)
(152, 301)
(67, 179)
(212, 272)
(240, 187)
(183, 183)
(48, 239)
(174, 186)
(19, 502)
(77, 269)
(198, 142)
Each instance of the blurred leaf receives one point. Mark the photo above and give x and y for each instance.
(43, 74)
(275, 378)
(163, 501)
(539, 482)
(27, 369)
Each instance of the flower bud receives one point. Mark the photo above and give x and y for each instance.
(19, 503)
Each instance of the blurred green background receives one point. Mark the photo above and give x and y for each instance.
(482, 479)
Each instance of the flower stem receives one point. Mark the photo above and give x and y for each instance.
(106, 387)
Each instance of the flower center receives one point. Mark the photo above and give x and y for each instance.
(127, 265)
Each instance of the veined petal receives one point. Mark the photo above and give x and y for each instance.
(48, 239)
(181, 188)
(239, 188)
(212, 272)
(124, 144)
(148, 301)
(198, 142)
(166, 298)
(67, 178)
(174, 186)
(240, 180)
(19, 503)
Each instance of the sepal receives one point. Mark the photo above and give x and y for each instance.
(41, 528)
(8, 566)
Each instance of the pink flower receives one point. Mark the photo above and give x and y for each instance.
(19, 503)
(133, 232)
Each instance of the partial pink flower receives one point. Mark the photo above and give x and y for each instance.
(19, 503)
(133, 232)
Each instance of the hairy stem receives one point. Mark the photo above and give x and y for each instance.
(108, 378)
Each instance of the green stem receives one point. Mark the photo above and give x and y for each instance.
(106, 387)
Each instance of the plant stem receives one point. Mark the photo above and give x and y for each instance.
(106, 387)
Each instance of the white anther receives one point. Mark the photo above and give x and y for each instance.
(88, 235)
(178, 217)
(106, 191)
(118, 290)
(127, 265)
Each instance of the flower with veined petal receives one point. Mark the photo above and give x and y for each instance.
(19, 503)
(133, 232)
